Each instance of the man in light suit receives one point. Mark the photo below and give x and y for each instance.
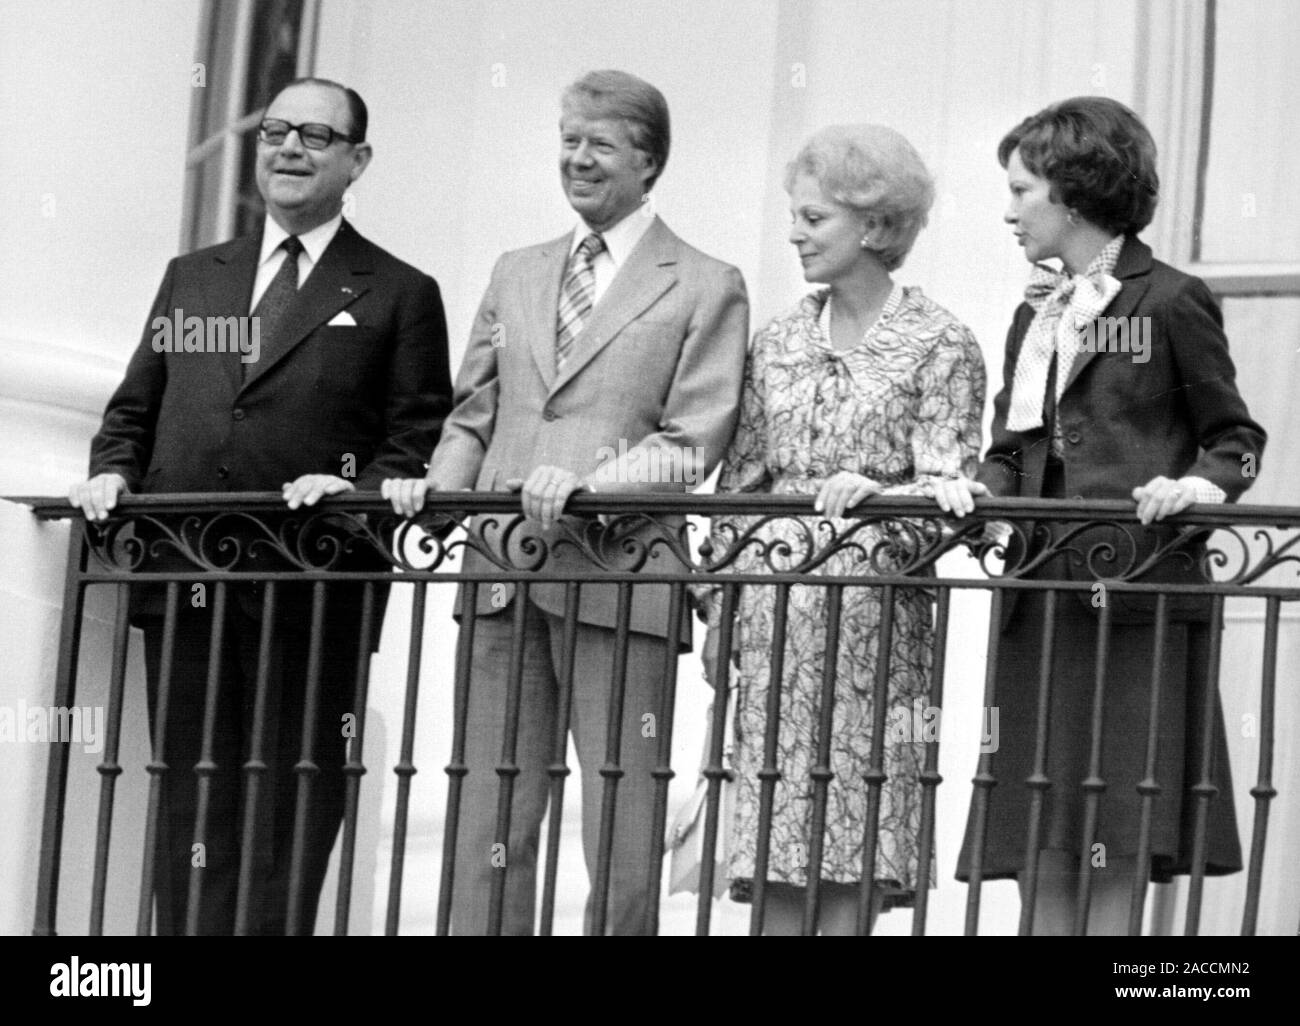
(349, 385)
(594, 359)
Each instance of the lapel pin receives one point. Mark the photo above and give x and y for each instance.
(347, 290)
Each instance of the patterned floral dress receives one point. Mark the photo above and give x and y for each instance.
(902, 407)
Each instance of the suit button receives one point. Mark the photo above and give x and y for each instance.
(1074, 438)
(238, 415)
(223, 472)
(550, 415)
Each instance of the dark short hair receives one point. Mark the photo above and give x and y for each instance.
(356, 105)
(1098, 156)
(616, 94)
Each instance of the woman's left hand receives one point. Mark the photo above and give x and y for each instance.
(956, 495)
(843, 490)
(1163, 497)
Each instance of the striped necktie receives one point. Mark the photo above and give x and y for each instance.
(576, 294)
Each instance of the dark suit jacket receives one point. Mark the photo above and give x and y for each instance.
(321, 399)
(1124, 422)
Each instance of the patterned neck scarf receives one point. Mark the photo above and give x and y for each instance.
(1052, 294)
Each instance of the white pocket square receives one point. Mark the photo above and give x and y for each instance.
(342, 319)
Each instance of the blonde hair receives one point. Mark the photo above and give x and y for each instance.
(876, 172)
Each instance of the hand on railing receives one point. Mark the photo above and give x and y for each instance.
(956, 495)
(96, 497)
(545, 492)
(311, 488)
(406, 494)
(1161, 497)
(843, 490)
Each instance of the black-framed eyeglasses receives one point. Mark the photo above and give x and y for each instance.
(273, 132)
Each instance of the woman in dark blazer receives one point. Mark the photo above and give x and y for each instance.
(1083, 415)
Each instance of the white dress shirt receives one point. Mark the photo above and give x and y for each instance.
(620, 240)
(272, 256)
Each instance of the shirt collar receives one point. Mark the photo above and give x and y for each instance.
(620, 239)
(313, 242)
(1105, 261)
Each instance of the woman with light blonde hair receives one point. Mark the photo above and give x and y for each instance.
(866, 387)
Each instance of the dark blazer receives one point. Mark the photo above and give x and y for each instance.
(1124, 422)
(365, 401)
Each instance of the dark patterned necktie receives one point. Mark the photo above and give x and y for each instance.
(275, 301)
(576, 295)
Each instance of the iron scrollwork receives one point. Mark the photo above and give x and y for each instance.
(873, 542)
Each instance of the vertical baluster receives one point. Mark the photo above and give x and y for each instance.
(1149, 788)
(612, 771)
(255, 768)
(206, 767)
(1204, 790)
(930, 777)
(306, 768)
(663, 771)
(983, 780)
(405, 768)
(1093, 786)
(714, 772)
(456, 767)
(354, 766)
(559, 768)
(770, 774)
(875, 775)
(109, 768)
(821, 773)
(1038, 782)
(508, 768)
(157, 767)
(56, 772)
(1263, 792)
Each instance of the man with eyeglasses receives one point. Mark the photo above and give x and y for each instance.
(350, 385)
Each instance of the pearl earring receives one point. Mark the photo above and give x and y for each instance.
(1072, 217)
(865, 244)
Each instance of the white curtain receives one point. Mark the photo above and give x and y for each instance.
(1169, 74)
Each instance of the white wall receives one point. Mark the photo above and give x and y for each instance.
(94, 109)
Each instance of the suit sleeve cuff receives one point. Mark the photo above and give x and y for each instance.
(1206, 491)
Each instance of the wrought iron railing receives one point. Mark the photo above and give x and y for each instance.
(631, 542)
